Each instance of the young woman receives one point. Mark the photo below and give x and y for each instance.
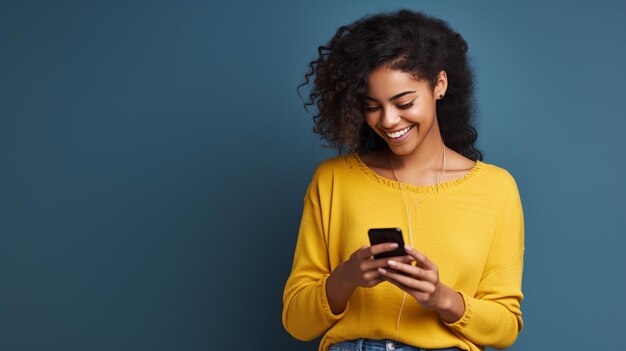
(396, 90)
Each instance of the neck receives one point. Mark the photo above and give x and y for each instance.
(426, 157)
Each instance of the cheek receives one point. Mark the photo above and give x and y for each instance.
(371, 119)
(420, 114)
(416, 110)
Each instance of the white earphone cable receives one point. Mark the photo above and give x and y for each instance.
(415, 205)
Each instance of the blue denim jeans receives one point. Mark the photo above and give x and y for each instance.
(380, 345)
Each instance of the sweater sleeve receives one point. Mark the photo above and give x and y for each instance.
(306, 312)
(492, 316)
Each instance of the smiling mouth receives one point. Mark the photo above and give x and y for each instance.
(400, 133)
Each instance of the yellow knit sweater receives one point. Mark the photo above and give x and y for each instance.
(472, 229)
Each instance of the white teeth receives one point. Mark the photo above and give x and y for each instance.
(399, 133)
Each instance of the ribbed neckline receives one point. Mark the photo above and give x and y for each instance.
(478, 166)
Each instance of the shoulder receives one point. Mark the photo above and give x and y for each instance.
(334, 166)
(332, 173)
(325, 178)
(497, 173)
(499, 179)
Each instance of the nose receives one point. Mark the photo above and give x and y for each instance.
(390, 118)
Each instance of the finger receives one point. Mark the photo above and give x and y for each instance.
(384, 262)
(408, 282)
(401, 286)
(421, 297)
(364, 252)
(373, 283)
(405, 259)
(396, 283)
(369, 265)
(424, 290)
(384, 247)
(372, 275)
(413, 271)
(420, 258)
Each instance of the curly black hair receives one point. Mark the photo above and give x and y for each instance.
(404, 40)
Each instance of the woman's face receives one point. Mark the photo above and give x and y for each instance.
(402, 110)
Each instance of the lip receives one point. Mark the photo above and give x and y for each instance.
(402, 138)
(397, 130)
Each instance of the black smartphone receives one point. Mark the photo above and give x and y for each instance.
(387, 235)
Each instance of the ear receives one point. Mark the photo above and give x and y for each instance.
(441, 85)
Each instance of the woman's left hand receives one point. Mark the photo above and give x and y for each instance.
(422, 282)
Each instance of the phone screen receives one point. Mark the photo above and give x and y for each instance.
(387, 235)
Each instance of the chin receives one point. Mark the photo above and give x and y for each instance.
(401, 150)
(405, 149)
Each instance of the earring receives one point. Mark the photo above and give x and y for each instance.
(441, 96)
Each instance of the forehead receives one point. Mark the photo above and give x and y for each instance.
(385, 82)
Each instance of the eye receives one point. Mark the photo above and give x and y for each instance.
(405, 106)
(371, 108)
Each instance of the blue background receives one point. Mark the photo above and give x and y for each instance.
(154, 156)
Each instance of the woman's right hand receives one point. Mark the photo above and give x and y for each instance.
(361, 269)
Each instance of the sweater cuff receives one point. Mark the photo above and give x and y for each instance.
(466, 317)
(324, 300)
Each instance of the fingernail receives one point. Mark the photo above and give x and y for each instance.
(408, 248)
(391, 262)
(393, 245)
(382, 270)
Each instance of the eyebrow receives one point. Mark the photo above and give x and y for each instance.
(397, 96)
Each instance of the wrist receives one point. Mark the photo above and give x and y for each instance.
(450, 305)
(444, 298)
(343, 279)
(338, 292)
